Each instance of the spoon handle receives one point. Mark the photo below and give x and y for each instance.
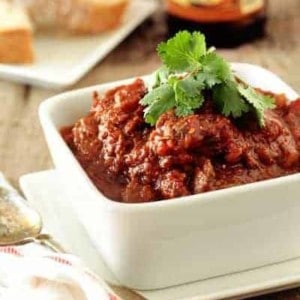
(44, 240)
(48, 241)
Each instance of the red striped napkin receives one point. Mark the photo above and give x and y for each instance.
(34, 273)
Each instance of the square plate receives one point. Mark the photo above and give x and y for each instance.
(48, 194)
(62, 60)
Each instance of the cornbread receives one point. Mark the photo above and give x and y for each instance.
(15, 35)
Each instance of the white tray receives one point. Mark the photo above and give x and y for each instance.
(47, 194)
(61, 61)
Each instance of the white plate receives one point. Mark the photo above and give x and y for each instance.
(47, 194)
(61, 61)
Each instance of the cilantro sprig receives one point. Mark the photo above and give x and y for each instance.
(189, 68)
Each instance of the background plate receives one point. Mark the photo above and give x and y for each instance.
(63, 60)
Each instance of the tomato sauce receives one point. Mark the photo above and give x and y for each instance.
(130, 161)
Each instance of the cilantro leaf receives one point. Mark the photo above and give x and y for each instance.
(159, 100)
(161, 76)
(188, 96)
(228, 100)
(214, 70)
(258, 101)
(182, 52)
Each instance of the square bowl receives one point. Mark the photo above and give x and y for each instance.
(160, 244)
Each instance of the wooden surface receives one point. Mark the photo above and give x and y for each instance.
(22, 146)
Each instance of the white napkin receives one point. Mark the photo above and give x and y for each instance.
(33, 273)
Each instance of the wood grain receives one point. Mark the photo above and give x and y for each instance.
(22, 145)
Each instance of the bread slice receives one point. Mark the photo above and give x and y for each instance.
(93, 16)
(77, 16)
(15, 35)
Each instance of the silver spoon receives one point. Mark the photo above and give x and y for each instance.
(20, 224)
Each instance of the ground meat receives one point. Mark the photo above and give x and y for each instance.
(130, 161)
(136, 192)
(172, 184)
(203, 175)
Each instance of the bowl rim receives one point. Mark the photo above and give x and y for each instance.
(48, 125)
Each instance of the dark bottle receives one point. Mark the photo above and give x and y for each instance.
(226, 23)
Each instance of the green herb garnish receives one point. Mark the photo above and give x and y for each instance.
(189, 68)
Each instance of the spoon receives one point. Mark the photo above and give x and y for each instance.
(20, 224)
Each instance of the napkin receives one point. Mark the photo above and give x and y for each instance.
(34, 273)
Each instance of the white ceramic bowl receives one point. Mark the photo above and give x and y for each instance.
(159, 244)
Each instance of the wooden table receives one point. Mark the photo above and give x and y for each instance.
(22, 145)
